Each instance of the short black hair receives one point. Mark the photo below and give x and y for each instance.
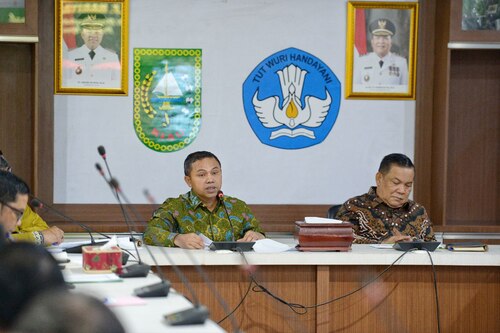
(399, 160)
(27, 270)
(196, 156)
(10, 186)
(67, 312)
(4, 164)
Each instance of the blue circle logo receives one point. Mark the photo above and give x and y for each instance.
(291, 100)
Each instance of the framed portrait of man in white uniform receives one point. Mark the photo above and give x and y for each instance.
(91, 48)
(381, 50)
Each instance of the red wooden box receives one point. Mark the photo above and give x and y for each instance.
(324, 236)
(98, 260)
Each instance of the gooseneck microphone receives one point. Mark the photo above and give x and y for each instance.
(192, 316)
(220, 195)
(102, 152)
(37, 203)
(149, 197)
(155, 290)
(230, 245)
(140, 269)
(199, 313)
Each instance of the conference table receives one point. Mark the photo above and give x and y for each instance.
(403, 299)
(366, 289)
(137, 315)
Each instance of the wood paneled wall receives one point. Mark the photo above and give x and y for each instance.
(109, 218)
(473, 172)
(402, 300)
(16, 107)
(435, 94)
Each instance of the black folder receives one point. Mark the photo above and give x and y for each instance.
(232, 246)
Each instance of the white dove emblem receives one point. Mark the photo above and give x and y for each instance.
(292, 114)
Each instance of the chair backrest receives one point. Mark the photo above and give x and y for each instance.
(332, 211)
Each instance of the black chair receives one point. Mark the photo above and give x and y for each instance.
(332, 211)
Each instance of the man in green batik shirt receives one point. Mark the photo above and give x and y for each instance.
(178, 221)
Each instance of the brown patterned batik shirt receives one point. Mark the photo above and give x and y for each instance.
(373, 221)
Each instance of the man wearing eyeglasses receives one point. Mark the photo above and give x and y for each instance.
(32, 227)
(13, 200)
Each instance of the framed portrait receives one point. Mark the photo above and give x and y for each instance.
(381, 50)
(91, 47)
(19, 18)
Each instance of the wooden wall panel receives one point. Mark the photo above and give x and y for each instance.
(397, 302)
(424, 99)
(402, 300)
(259, 312)
(44, 144)
(438, 127)
(109, 218)
(474, 138)
(16, 107)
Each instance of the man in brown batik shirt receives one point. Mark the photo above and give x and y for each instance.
(385, 214)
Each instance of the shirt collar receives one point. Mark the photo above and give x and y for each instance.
(386, 57)
(195, 200)
(192, 198)
(96, 50)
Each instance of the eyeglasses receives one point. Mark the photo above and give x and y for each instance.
(19, 213)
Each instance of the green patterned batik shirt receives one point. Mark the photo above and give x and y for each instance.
(187, 214)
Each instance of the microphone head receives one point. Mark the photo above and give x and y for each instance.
(148, 196)
(101, 151)
(36, 203)
(114, 183)
(99, 168)
(220, 195)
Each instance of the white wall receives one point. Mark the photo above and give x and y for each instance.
(235, 35)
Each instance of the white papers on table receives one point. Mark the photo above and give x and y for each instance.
(322, 220)
(382, 246)
(67, 245)
(124, 301)
(267, 245)
(123, 242)
(89, 278)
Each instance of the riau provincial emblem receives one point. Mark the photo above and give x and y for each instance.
(291, 100)
(167, 97)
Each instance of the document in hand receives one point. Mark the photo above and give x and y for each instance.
(467, 247)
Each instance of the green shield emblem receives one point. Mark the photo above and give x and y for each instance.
(167, 97)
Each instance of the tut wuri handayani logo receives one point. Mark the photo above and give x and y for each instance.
(291, 100)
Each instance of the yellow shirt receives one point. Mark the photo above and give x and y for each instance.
(31, 225)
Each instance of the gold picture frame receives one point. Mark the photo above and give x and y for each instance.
(91, 47)
(381, 50)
